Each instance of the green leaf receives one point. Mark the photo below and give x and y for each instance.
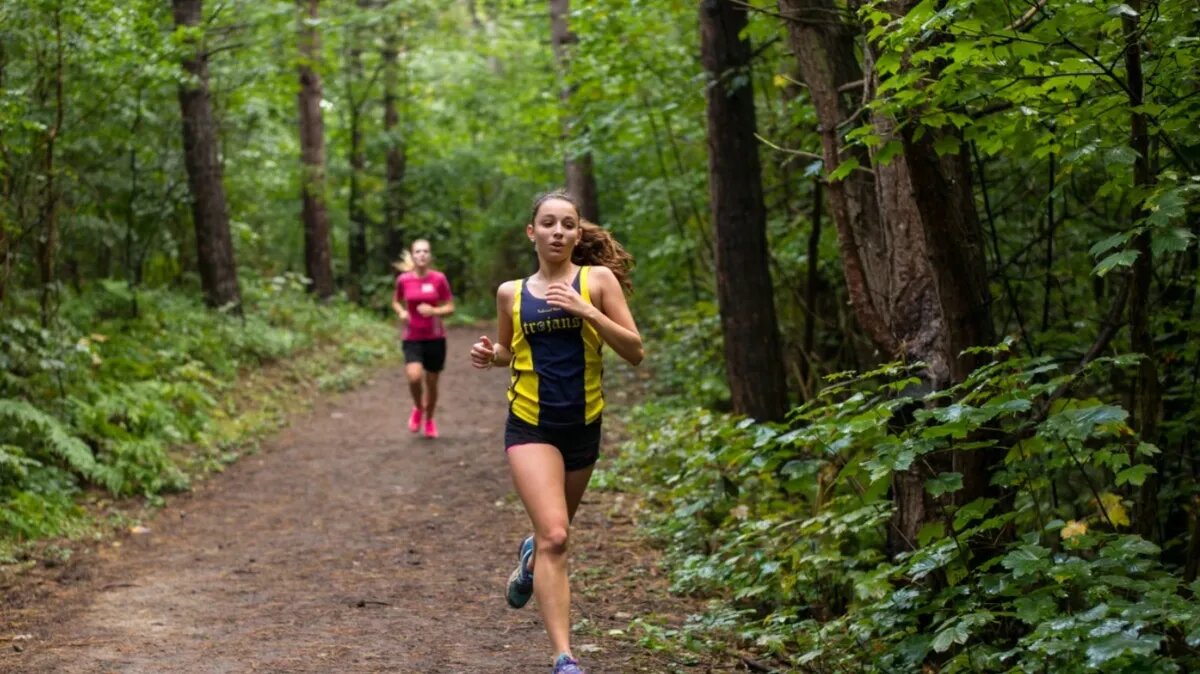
(889, 151)
(844, 169)
(972, 511)
(1026, 560)
(1171, 240)
(1122, 9)
(945, 145)
(1108, 243)
(1121, 155)
(1135, 475)
(944, 484)
(1112, 646)
(930, 532)
(1124, 258)
(956, 633)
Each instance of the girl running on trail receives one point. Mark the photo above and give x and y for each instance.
(552, 326)
(421, 299)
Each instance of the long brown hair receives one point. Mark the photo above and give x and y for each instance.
(596, 245)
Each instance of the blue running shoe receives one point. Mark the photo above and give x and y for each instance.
(566, 664)
(520, 583)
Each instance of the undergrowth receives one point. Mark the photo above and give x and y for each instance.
(135, 395)
(784, 528)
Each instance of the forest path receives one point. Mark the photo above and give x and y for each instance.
(346, 544)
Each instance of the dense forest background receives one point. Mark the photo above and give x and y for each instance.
(919, 278)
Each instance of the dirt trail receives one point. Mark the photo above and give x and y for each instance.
(346, 545)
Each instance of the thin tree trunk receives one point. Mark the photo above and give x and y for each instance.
(5, 195)
(706, 249)
(810, 290)
(676, 217)
(48, 236)
(214, 246)
(357, 242)
(132, 278)
(753, 360)
(317, 253)
(581, 178)
(1147, 393)
(393, 199)
(1048, 281)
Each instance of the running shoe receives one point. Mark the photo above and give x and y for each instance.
(566, 664)
(431, 430)
(414, 420)
(520, 583)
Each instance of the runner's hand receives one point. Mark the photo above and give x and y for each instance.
(425, 309)
(564, 296)
(483, 353)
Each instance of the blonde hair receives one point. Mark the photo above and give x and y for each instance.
(596, 245)
(405, 263)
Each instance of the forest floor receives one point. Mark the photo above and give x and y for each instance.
(346, 544)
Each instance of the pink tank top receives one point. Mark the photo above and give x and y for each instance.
(432, 289)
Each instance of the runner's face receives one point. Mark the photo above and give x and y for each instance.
(421, 255)
(555, 230)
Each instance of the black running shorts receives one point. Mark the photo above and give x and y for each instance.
(579, 445)
(431, 353)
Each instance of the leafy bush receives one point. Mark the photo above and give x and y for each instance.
(109, 398)
(788, 526)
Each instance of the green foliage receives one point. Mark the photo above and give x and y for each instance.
(123, 383)
(788, 527)
(690, 359)
(136, 404)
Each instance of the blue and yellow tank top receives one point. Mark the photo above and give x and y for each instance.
(556, 365)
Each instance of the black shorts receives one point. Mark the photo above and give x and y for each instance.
(579, 445)
(430, 353)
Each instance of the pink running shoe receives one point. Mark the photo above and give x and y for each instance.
(431, 430)
(414, 420)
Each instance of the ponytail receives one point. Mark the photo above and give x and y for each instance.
(597, 246)
(405, 263)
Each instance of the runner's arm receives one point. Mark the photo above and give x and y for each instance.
(607, 312)
(398, 301)
(485, 353)
(504, 324)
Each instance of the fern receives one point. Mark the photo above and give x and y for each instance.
(46, 431)
(14, 464)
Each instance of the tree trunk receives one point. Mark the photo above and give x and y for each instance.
(753, 361)
(48, 236)
(5, 195)
(317, 254)
(214, 246)
(807, 370)
(581, 179)
(357, 242)
(1147, 392)
(909, 238)
(393, 199)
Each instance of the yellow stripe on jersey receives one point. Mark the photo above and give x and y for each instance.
(593, 361)
(523, 389)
